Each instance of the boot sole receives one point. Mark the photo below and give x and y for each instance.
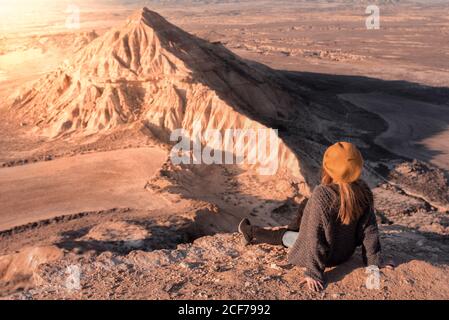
(245, 239)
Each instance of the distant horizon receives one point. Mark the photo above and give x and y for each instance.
(29, 16)
(35, 16)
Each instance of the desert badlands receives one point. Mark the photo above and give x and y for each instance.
(94, 206)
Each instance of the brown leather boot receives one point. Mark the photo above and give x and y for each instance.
(269, 236)
(246, 230)
(296, 223)
(256, 235)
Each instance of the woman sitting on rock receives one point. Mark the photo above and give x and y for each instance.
(338, 217)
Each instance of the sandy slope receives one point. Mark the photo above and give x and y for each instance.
(81, 183)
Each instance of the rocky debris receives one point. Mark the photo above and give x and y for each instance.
(84, 38)
(129, 235)
(18, 271)
(21, 162)
(395, 207)
(124, 254)
(17, 231)
(424, 181)
(265, 48)
(221, 267)
(121, 236)
(183, 255)
(392, 202)
(113, 233)
(433, 223)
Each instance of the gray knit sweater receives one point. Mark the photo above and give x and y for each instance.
(324, 241)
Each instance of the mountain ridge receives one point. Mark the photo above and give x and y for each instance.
(151, 73)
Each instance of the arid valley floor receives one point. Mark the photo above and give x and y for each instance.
(85, 176)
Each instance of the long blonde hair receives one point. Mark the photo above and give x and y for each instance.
(353, 198)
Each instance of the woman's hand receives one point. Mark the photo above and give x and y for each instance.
(313, 284)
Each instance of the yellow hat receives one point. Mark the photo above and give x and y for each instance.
(343, 162)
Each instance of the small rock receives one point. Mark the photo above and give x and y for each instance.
(189, 265)
(275, 266)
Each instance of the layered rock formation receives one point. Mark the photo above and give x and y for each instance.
(154, 74)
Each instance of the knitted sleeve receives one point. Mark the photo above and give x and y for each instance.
(369, 236)
(371, 250)
(311, 248)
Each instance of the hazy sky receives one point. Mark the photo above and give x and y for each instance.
(31, 15)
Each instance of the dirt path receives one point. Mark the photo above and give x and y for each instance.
(82, 183)
(415, 129)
